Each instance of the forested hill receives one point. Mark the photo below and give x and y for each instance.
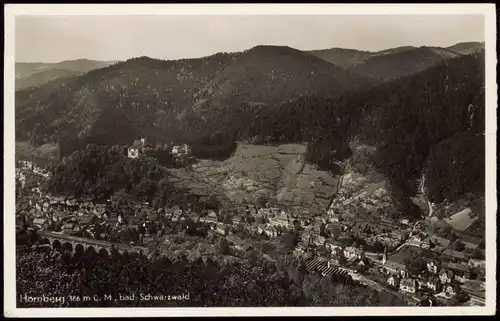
(30, 74)
(176, 100)
(404, 119)
(393, 64)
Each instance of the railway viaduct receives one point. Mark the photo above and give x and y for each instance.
(80, 245)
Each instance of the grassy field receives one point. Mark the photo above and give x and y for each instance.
(462, 220)
(25, 149)
(409, 252)
(276, 173)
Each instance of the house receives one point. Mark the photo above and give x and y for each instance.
(432, 266)
(58, 214)
(474, 263)
(221, 229)
(395, 267)
(209, 219)
(179, 150)
(350, 252)
(440, 241)
(445, 276)
(408, 285)
(471, 243)
(238, 243)
(387, 221)
(426, 243)
(39, 222)
(393, 281)
(319, 240)
(459, 269)
(68, 228)
(300, 248)
(271, 231)
(88, 220)
(450, 254)
(236, 220)
(335, 247)
(405, 221)
(433, 284)
(451, 290)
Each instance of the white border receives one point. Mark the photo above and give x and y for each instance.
(11, 10)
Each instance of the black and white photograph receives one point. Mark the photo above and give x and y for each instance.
(305, 159)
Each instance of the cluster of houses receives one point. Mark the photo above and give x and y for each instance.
(436, 281)
(141, 147)
(20, 178)
(441, 276)
(369, 222)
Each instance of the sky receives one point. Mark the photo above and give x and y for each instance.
(52, 38)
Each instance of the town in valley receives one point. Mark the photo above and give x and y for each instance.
(270, 175)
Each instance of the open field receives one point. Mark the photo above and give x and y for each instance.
(275, 173)
(462, 220)
(408, 252)
(24, 149)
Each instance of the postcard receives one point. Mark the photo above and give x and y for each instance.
(254, 160)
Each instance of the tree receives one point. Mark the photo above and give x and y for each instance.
(416, 265)
(252, 256)
(289, 240)
(223, 246)
(458, 246)
(476, 254)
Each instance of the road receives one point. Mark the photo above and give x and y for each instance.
(40, 173)
(475, 299)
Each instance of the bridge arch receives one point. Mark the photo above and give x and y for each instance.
(67, 246)
(56, 245)
(44, 240)
(103, 252)
(79, 250)
(91, 251)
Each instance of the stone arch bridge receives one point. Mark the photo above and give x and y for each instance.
(80, 245)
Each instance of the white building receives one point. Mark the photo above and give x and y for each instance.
(350, 252)
(133, 152)
(181, 150)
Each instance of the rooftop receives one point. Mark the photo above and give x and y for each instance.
(457, 267)
(394, 266)
(453, 253)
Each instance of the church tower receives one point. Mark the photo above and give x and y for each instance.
(384, 256)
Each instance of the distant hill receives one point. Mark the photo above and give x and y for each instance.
(467, 47)
(271, 75)
(400, 62)
(35, 74)
(342, 57)
(173, 100)
(393, 63)
(43, 77)
(393, 50)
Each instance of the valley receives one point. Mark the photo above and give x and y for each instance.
(348, 160)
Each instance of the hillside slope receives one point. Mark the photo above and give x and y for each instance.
(26, 69)
(467, 47)
(392, 64)
(277, 174)
(342, 57)
(43, 77)
(402, 119)
(172, 100)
